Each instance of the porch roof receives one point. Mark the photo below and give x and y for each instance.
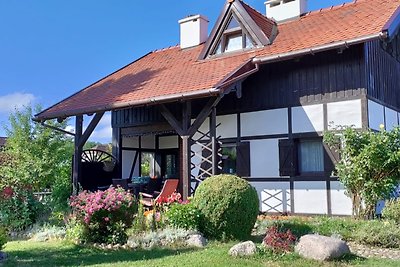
(173, 73)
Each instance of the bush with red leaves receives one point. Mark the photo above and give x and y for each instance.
(279, 241)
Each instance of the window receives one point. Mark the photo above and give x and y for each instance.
(310, 156)
(228, 157)
(305, 156)
(233, 38)
(236, 159)
(147, 164)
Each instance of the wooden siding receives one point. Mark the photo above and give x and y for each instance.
(383, 71)
(325, 77)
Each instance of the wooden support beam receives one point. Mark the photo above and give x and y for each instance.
(117, 148)
(205, 112)
(77, 154)
(213, 135)
(89, 130)
(171, 119)
(185, 179)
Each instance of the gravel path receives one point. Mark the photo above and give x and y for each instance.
(374, 252)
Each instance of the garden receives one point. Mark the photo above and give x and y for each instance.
(219, 226)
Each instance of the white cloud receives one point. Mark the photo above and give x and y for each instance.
(10, 102)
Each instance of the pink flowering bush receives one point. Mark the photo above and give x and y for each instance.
(105, 215)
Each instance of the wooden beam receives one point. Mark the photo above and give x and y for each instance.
(77, 162)
(185, 179)
(205, 112)
(171, 120)
(213, 135)
(89, 130)
(116, 148)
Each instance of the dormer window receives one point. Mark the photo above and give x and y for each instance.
(233, 38)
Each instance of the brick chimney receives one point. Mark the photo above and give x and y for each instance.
(194, 30)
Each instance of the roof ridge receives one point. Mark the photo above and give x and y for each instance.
(165, 48)
(327, 9)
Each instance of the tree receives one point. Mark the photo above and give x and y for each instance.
(369, 167)
(40, 157)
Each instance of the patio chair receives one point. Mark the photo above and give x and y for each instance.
(170, 186)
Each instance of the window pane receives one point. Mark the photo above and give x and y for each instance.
(171, 168)
(229, 160)
(233, 24)
(311, 156)
(249, 43)
(233, 42)
(147, 164)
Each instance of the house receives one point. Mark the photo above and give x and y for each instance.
(252, 98)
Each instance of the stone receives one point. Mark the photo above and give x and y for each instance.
(196, 240)
(322, 248)
(247, 248)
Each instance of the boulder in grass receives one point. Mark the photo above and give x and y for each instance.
(196, 240)
(247, 248)
(321, 248)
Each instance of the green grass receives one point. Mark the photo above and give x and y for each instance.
(59, 253)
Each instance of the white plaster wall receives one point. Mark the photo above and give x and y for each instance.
(308, 119)
(390, 119)
(274, 197)
(375, 115)
(286, 10)
(310, 197)
(345, 113)
(167, 142)
(264, 122)
(341, 204)
(228, 127)
(130, 141)
(204, 128)
(149, 141)
(127, 161)
(264, 158)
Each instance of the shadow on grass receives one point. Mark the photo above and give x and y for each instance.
(74, 255)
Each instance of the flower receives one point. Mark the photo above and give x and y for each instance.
(381, 126)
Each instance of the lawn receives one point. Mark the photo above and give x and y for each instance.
(61, 253)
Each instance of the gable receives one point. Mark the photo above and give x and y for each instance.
(239, 27)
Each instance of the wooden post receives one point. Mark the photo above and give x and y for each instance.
(116, 148)
(185, 166)
(77, 154)
(213, 135)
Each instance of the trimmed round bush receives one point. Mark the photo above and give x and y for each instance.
(229, 206)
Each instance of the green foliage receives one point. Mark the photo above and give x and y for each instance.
(185, 216)
(38, 156)
(229, 206)
(391, 211)
(3, 237)
(18, 208)
(378, 233)
(369, 165)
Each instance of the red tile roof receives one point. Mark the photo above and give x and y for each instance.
(174, 72)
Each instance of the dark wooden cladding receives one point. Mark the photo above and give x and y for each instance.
(324, 77)
(383, 71)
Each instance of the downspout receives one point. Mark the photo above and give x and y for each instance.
(53, 127)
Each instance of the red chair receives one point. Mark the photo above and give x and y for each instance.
(170, 186)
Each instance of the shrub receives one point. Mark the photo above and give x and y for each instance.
(279, 241)
(105, 215)
(185, 216)
(3, 237)
(379, 233)
(391, 211)
(229, 206)
(18, 208)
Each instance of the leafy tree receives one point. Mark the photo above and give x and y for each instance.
(369, 166)
(39, 157)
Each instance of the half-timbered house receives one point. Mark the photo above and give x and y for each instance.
(252, 98)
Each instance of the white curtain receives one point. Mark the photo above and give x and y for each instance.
(311, 156)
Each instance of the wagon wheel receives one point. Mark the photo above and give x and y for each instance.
(95, 155)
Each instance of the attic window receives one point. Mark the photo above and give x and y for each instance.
(233, 38)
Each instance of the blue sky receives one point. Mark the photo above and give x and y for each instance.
(49, 49)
